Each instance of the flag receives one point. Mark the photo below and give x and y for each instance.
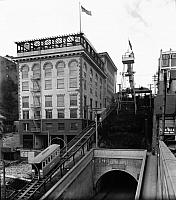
(130, 44)
(86, 11)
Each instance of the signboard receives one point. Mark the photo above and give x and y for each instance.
(169, 127)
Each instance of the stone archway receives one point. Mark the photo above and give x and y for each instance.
(118, 181)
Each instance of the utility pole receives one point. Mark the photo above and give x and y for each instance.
(154, 83)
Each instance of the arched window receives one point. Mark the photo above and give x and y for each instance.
(84, 70)
(85, 67)
(24, 71)
(48, 69)
(73, 67)
(60, 68)
(36, 70)
(91, 75)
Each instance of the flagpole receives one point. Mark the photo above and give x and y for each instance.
(79, 16)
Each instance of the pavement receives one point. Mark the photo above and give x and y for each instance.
(21, 170)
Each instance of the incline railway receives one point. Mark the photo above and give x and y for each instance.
(69, 155)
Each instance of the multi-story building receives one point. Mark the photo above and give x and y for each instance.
(165, 101)
(8, 93)
(61, 80)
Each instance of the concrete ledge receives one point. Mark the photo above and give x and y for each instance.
(167, 173)
(58, 189)
(120, 153)
(139, 186)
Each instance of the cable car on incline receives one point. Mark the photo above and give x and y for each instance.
(43, 163)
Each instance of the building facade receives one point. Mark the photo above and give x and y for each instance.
(61, 80)
(165, 101)
(8, 93)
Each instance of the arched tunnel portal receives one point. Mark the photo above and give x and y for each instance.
(117, 183)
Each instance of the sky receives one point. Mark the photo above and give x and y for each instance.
(148, 24)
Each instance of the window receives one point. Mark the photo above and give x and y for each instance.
(48, 101)
(60, 83)
(73, 99)
(85, 67)
(74, 126)
(48, 84)
(96, 104)
(25, 126)
(91, 73)
(85, 100)
(61, 126)
(73, 113)
(96, 80)
(73, 82)
(25, 114)
(61, 113)
(48, 126)
(48, 114)
(36, 71)
(90, 90)
(25, 70)
(96, 77)
(43, 164)
(73, 68)
(48, 70)
(25, 102)
(85, 107)
(60, 100)
(25, 86)
(60, 68)
(100, 81)
(85, 84)
(91, 104)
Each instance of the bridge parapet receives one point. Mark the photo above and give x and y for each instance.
(166, 173)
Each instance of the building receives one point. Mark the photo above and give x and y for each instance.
(165, 101)
(61, 80)
(8, 93)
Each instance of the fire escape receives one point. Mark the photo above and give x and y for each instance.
(36, 94)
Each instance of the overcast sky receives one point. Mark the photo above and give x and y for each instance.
(149, 24)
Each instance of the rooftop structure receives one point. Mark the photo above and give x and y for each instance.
(59, 42)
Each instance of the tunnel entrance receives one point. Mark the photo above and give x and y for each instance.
(116, 185)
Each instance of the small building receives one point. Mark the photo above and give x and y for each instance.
(61, 80)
